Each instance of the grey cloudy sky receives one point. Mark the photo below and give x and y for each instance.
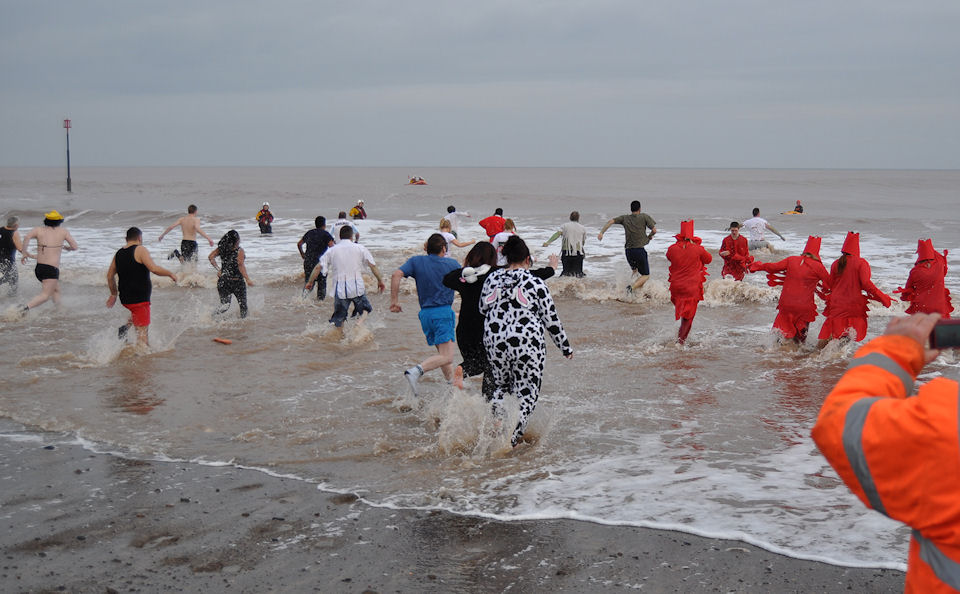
(736, 83)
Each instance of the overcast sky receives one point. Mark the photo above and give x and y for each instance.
(731, 83)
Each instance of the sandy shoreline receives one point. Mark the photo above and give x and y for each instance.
(81, 522)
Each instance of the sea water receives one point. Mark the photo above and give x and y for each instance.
(711, 438)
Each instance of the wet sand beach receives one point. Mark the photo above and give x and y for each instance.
(78, 521)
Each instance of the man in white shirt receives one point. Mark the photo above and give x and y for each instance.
(341, 222)
(346, 259)
(453, 215)
(571, 246)
(755, 229)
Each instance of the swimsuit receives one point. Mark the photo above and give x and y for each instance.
(188, 249)
(46, 272)
(231, 283)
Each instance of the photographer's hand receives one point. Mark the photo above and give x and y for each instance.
(917, 327)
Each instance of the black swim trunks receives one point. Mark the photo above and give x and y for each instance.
(637, 258)
(188, 250)
(45, 271)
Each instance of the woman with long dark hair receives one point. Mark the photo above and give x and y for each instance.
(468, 281)
(517, 307)
(232, 272)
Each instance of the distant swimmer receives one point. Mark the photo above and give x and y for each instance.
(453, 215)
(571, 246)
(493, 224)
(756, 228)
(735, 253)
(688, 271)
(635, 227)
(344, 262)
(517, 308)
(846, 308)
(10, 244)
(801, 277)
(925, 289)
(445, 230)
(232, 274)
(132, 264)
(358, 212)
(52, 239)
(317, 241)
(265, 219)
(436, 314)
(190, 227)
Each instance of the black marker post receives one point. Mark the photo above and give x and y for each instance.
(66, 124)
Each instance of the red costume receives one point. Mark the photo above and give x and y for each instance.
(800, 276)
(688, 271)
(737, 263)
(925, 289)
(492, 225)
(846, 303)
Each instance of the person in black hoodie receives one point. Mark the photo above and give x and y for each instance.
(468, 281)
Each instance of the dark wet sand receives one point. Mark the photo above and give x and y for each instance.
(80, 522)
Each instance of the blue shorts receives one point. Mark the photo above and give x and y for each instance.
(438, 324)
(637, 258)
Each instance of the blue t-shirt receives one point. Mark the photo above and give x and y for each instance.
(429, 271)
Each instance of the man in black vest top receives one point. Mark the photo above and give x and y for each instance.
(133, 265)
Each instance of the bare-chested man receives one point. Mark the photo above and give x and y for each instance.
(50, 245)
(189, 226)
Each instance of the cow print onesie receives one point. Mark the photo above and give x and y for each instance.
(517, 306)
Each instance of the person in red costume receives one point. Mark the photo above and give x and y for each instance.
(846, 304)
(493, 224)
(735, 253)
(688, 271)
(801, 276)
(925, 289)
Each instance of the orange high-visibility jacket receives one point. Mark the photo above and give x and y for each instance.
(900, 454)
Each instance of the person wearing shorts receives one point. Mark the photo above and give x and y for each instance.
(635, 227)
(132, 264)
(437, 319)
(190, 227)
(52, 239)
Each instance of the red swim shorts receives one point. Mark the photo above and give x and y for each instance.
(139, 313)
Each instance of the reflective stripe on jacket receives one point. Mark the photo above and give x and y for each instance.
(899, 454)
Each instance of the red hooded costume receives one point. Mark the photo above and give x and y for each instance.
(737, 263)
(492, 225)
(800, 277)
(846, 303)
(688, 271)
(925, 289)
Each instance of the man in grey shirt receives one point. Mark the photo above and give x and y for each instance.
(571, 247)
(635, 227)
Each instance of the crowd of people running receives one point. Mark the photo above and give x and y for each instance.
(506, 308)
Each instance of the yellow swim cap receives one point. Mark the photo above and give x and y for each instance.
(53, 216)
